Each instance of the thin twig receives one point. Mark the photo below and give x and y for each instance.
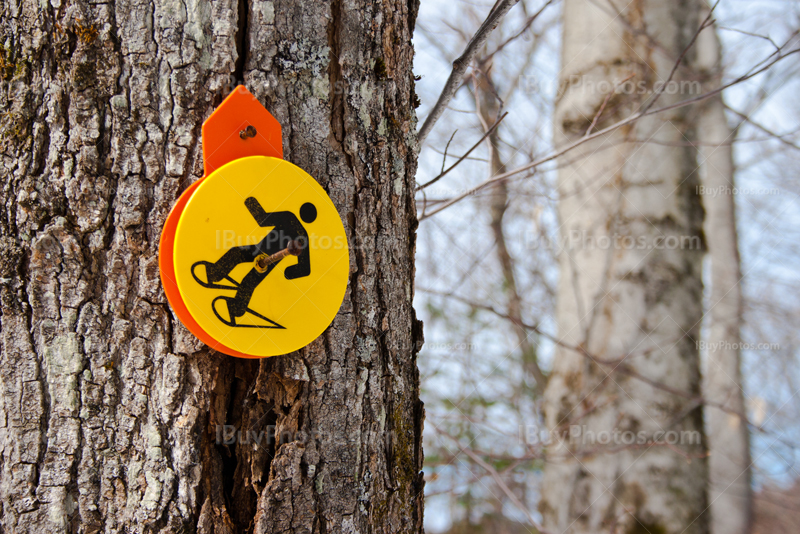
(461, 64)
(474, 158)
(605, 103)
(764, 129)
(462, 158)
(444, 157)
(765, 37)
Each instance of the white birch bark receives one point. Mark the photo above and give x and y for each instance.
(625, 292)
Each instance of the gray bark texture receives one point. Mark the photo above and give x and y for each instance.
(628, 452)
(729, 462)
(113, 418)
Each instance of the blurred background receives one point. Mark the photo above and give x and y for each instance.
(488, 266)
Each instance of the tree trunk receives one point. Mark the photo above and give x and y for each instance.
(627, 454)
(729, 462)
(114, 418)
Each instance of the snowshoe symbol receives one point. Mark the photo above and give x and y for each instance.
(287, 231)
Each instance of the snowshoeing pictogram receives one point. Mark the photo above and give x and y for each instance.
(260, 258)
(288, 237)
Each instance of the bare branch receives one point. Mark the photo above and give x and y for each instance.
(765, 65)
(765, 37)
(517, 35)
(746, 118)
(446, 147)
(605, 103)
(467, 153)
(461, 64)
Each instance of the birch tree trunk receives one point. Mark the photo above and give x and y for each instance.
(113, 418)
(631, 454)
(729, 463)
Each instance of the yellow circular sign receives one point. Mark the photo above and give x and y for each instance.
(261, 257)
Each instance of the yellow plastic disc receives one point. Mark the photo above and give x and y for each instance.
(259, 207)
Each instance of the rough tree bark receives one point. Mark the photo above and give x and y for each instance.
(625, 296)
(730, 492)
(112, 415)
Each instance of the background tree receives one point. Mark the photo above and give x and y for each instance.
(111, 410)
(629, 310)
(730, 493)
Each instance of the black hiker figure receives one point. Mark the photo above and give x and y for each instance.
(287, 233)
